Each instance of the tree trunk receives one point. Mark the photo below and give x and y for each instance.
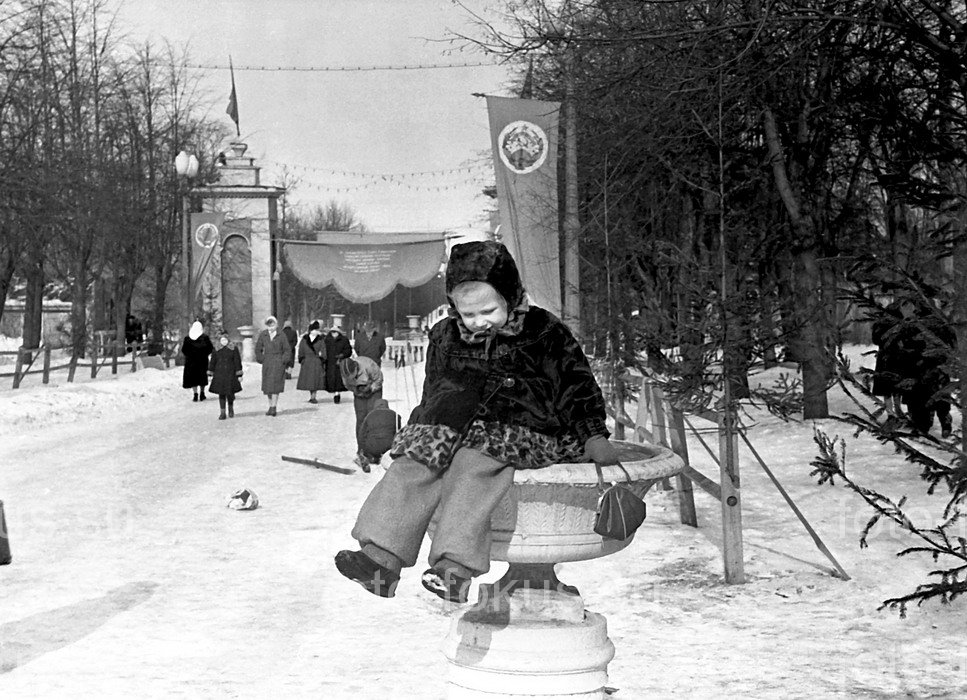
(158, 312)
(78, 317)
(33, 324)
(7, 266)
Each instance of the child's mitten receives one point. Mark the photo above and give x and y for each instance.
(599, 450)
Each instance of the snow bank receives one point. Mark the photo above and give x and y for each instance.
(34, 405)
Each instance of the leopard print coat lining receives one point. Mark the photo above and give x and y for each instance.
(516, 445)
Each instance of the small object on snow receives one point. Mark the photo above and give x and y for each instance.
(243, 499)
(320, 465)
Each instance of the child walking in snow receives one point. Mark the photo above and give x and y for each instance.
(364, 378)
(507, 387)
(225, 370)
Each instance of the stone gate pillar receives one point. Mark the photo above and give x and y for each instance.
(251, 213)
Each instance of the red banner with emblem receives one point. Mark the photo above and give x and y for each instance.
(524, 136)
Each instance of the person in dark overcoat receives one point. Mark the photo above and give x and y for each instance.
(312, 362)
(225, 370)
(887, 334)
(928, 347)
(370, 343)
(196, 348)
(293, 339)
(337, 348)
(272, 352)
(507, 387)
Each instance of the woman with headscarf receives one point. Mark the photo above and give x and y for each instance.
(312, 356)
(337, 348)
(196, 348)
(272, 352)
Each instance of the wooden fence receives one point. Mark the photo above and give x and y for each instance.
(98, 357)
(657, 421)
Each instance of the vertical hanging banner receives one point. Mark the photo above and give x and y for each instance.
(205, 237)
(523, 135)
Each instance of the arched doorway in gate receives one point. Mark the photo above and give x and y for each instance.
(236, 284)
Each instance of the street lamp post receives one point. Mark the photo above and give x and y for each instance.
(186, 166)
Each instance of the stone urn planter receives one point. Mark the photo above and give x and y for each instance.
(528, 635)
(248, 343)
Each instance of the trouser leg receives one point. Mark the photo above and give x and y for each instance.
(472, 488)
(396, 513)
(222, 401)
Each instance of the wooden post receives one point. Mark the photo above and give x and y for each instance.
(686, 497)
(659, 425)
(93, 360)
(114, 358)
(618, 403)
(46, 364)
(643, 415)
(134, 360)
(72, 366)
(18, 368)
(731, 500)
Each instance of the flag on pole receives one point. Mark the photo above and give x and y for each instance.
(527, 89)
(232, 109)
(524, 138)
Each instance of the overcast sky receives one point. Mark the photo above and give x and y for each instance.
(379, 122)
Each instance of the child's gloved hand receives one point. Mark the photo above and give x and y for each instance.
(599, 450)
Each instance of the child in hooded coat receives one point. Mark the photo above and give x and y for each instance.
(225, 370)
(364, 378)
(507, 387)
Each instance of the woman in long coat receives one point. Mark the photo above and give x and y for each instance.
(225, 369)
(312, 357)
(272, 352)
(196, 348)
(337, 348)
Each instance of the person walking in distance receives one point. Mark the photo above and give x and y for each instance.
(196, 348)
(370, 343)
(337, 348)
(293, 339)
(312, 359)
(272, 352)
(225, 370)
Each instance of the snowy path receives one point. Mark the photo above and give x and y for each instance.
(131, 578)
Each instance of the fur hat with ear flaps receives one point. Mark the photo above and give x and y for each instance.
(485, 261)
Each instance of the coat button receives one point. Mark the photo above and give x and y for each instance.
(509, 382)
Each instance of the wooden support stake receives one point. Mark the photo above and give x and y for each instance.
(114, 359)
(93, 361)
(46, 364)
(19, 366)
(731, 497)
(72, 366)
(812, 533)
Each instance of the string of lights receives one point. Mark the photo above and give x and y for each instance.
(296, 167)
(365, 186)
(341, 69)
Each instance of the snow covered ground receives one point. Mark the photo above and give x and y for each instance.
(130, 577)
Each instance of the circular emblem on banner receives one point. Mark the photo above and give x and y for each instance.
(206, 235)
(522, 146)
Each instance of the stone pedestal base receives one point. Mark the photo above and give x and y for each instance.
(529, 636)
(490, 659)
